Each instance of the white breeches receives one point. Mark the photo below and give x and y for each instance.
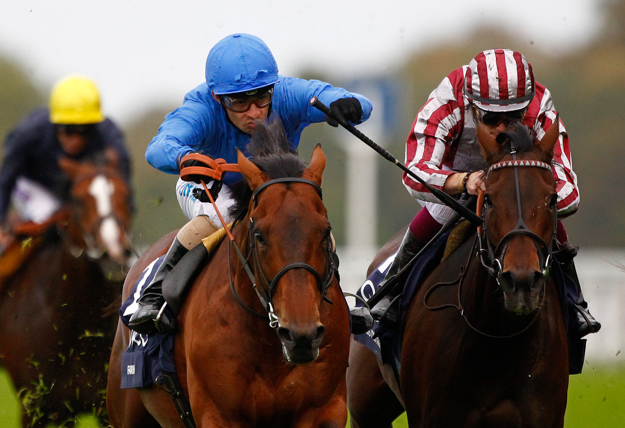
(32, 201)
(192, 207)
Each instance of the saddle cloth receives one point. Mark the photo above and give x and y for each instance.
(147, 355)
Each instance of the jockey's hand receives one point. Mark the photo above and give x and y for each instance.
(456, 183)
(475, 183)
(345, 108)
(213, 187)
(204, 161)
(186, 160)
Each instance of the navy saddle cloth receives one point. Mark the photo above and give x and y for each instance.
(385, 341)
(147, 355)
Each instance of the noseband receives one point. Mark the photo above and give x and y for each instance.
(266, 291)
(492, 258)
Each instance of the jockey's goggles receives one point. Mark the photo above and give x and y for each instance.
(75, 129)
(492, 119)
(240, 103)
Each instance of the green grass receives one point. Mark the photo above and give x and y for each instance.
(596, 400)
(10, 407)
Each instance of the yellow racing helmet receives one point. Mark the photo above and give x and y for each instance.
(75, 100)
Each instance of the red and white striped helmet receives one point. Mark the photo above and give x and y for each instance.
(499, 80)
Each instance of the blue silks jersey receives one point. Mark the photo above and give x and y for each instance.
(201, 123)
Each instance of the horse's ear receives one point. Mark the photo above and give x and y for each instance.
(491, 149)
(251, 172)
(112, 158)
(548, 143)
(317, 165)
(71, 167)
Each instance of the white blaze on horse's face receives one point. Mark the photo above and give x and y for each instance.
(102, 190)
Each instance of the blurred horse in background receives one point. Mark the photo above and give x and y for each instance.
(484, 342)
(59, 292)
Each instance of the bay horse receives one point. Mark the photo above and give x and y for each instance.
(484, 342)
(56, 322)
(262, 339)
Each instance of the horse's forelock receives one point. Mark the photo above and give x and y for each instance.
(271, 151)
(518, 137)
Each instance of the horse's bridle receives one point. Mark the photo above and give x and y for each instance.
(491, 258)
(266, 290)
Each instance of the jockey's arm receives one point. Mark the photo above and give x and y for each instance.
(459, 182)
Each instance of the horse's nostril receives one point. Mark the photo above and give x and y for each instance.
(513, 281)
(285, 335)
(508, 281)
(321, 330)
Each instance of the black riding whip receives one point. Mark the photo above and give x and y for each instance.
(442, 196)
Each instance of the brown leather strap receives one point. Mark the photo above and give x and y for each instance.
(215, 168)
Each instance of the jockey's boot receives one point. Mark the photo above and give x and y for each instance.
(387, 309)
(361, 320)
(150, 315)
(585, 322)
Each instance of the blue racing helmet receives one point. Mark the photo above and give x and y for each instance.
(240, 63)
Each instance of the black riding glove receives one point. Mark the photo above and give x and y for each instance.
(348, 109)
(200, 193)
(196, 178)
(183, 163)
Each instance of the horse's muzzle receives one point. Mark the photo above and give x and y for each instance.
(301, 346)
(522, 290)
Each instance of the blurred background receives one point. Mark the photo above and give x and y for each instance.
(145, 55)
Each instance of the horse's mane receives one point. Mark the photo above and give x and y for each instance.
(271, 151)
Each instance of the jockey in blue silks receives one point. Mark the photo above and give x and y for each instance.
(216, 118)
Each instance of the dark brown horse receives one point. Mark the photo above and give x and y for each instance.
(56, 325)
(484, 343)
(244, 361)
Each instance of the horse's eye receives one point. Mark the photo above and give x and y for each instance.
(553, 201)
(258, 235)
(488, 203)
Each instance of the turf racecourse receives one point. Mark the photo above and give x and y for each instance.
(596, 400)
